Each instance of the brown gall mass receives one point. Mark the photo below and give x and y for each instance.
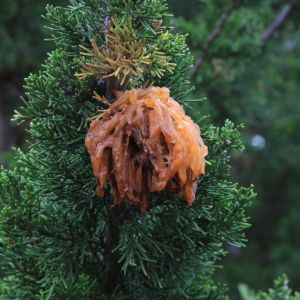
(145, 143)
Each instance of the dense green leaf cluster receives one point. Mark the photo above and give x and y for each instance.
(281, 291)
(257, 84)
(52, 224)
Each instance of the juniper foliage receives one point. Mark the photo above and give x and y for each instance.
(246, 82)
(54, 229)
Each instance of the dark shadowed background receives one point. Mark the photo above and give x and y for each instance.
(248, 67)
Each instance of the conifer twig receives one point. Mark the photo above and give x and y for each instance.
(112, 236)
(111, 240)
(112, 82)
(279, 20)
(212, 37)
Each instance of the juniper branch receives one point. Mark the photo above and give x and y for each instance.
(212, 37)
(279, 20)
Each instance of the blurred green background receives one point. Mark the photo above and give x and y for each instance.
(249, 71)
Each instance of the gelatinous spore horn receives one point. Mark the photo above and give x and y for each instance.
(145, 143)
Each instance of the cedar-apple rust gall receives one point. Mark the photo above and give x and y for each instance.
(145, 143)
